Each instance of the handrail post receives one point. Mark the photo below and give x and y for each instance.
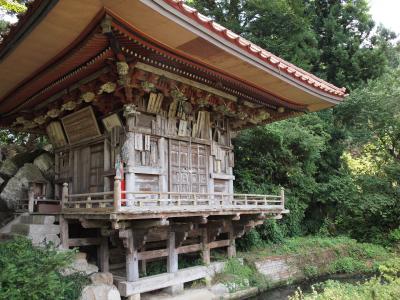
(117, 193)
(64, 195)
(282, 197)
(31, 198)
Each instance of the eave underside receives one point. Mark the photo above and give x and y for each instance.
(93, 62)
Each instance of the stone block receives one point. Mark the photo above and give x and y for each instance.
(219, 289)
(35, 229)
(175, 289)
(38, 219)
(102, 278)
(45, 164)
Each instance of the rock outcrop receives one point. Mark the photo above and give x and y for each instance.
(17, 187)
(18, 167)
(80, 265)
(102, 288)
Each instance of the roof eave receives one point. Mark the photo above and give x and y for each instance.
(168, 11)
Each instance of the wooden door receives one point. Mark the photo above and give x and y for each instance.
(188, 164)
(88, 169)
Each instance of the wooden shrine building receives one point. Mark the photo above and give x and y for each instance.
(140, 100)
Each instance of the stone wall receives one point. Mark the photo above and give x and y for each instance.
(288, 268)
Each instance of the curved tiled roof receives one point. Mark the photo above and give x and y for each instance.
(281, 65)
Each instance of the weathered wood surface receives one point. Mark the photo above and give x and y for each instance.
(160, 281)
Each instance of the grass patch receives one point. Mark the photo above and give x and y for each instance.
(238, 276)
(385, 286)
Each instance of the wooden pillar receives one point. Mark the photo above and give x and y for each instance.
(205, 246)
(56, 175)
(107, 165)
(64, 195)
(64, 232)
(143, 266)
(232, 244)
(129, 149)
(163, 178)
(31, 198)
(283, 197)
(132, 262)
(117, 193)
(211, 179)
(104, 254)
(172, 263)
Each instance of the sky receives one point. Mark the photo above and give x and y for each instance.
(387, 13)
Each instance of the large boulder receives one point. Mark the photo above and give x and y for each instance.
(45, 163)
(102, 288)
(8, 168)
(17, 187)
(80, 265)
(100, 292)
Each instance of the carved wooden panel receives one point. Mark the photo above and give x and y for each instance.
(188, 167)
(56, 134)
(81, 125)
(147, 183)
(221, 186)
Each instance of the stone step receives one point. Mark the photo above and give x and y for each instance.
(38, 219)
(35, 229)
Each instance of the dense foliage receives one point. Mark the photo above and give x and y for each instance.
(340, 167)
(28, 272)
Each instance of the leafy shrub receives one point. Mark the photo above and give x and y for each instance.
(237, 276)
(310, 272)
(250, 240)
(27, 270)
(347, 265)
(394, 236)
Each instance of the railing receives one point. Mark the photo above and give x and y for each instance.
(30, 204)
(120, 201)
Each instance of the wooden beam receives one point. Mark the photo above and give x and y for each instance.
(218, 244)
(189, 249)
(93, 223)
(151, 254)
(144, 224)
(79, 242)
(164, 280)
